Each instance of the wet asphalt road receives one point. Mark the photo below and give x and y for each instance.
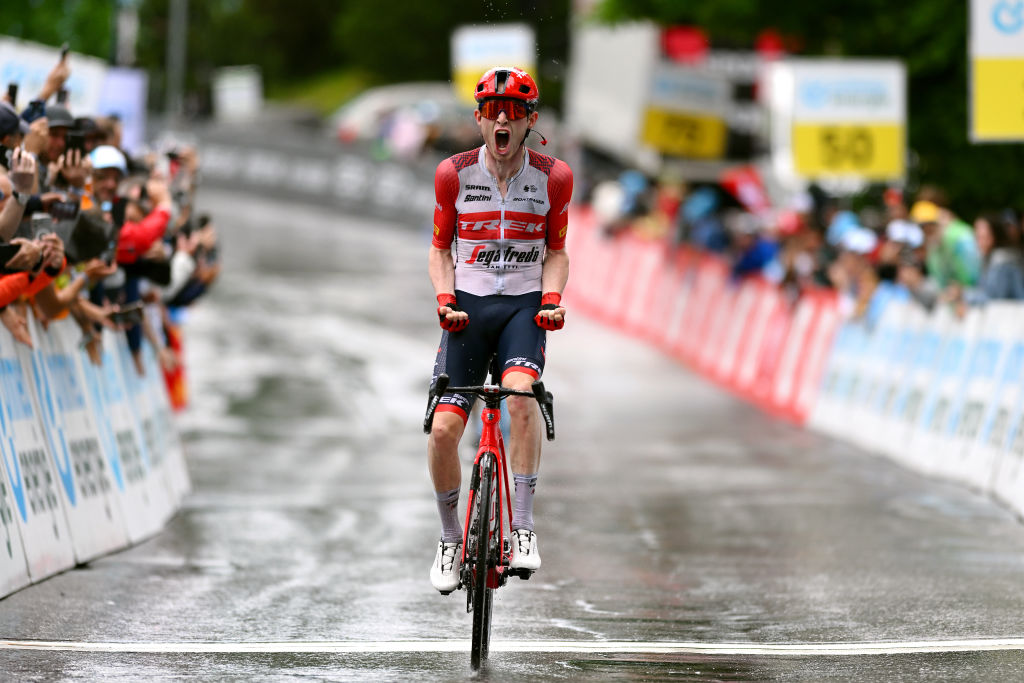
(668, 512)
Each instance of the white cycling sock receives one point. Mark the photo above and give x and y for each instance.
(522, 511)
(448, 506)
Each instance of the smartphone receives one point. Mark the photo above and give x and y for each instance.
(7, 252)
(12, 94)
(62, 96)
(129, 314)
(74, 139)
(64, 49)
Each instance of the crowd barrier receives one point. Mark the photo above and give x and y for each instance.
(92, 462)
(937, 393)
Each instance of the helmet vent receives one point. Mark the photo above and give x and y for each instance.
(500, 78)
(525, 89)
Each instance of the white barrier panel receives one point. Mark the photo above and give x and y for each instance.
(911, 398)
(990, 353)
(142, 463)
(887, 425)
(998, 443)
(89, 496)
(34, 483)
(163, 423)
(13, 564)
(875, 368)
(1009, 477)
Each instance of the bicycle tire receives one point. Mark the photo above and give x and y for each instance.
(482, 597)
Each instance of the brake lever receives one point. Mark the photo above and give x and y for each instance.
(436, 392)
(547, 408)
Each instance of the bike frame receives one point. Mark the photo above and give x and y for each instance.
(491, 441)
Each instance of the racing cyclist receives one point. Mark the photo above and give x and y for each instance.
(498, 265)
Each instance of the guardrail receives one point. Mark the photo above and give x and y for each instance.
(941, 395)
(92, 462)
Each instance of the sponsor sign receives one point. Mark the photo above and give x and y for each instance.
(475, 49)
(685, 113)
(997, 70)
(838, 119)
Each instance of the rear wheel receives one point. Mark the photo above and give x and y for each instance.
(484, 556)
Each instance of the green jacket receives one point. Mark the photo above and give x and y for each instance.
(955, 258)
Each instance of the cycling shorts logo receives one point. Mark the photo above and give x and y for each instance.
(477, 198)
(523, 363)
(457, 400)
(509, 255)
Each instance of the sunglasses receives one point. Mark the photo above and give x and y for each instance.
(514, 109)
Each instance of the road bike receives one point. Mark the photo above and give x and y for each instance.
(486, 542)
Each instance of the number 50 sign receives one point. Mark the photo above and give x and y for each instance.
(838, 118)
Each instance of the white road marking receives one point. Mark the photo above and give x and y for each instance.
(539, 646)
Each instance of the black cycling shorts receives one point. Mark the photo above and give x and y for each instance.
(500, 327)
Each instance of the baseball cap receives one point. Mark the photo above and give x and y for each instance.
(57, 116)
(904, 232)
(924, 211)
(10, 121)
(859, 240)
(106, 156)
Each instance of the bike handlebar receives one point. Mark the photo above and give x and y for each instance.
(492, 394)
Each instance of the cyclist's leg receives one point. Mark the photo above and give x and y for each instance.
(463, 356)
(521, 349)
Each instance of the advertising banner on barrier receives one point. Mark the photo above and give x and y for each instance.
(13, 564)
(34, 482)
(152, 503)
(159, 406)
(89, 495)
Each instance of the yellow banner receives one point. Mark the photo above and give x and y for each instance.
(874, 151)
(685, 134)
(998, 99)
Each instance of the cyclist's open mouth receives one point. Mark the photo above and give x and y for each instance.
(501, 140)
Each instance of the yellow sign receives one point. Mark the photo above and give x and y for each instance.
(873, 151)
(685, 134)
(998, 102)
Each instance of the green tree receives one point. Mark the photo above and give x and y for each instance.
(86, 25)
(930, 36)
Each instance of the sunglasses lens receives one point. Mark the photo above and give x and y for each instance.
(513, 109)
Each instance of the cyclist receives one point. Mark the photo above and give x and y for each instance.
(498, 265)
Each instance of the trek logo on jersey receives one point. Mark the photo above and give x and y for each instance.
(482, 254)
(477, 198)
(495, 223)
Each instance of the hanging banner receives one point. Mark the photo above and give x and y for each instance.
(997, 71)
(475, 49)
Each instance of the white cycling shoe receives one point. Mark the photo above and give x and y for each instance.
(444, 575)
(524, 550)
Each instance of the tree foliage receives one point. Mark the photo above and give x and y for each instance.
(86, 25)
(930, 36)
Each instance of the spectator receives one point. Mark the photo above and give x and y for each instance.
(1002, 265)
(952, 255)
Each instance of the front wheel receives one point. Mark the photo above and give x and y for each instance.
(484, 557)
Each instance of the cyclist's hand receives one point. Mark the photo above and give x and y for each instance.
(551, 315)
(451, 317)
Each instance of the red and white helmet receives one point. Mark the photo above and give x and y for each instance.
(510, 82)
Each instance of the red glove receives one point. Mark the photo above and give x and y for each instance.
(550, 302)
(448, 301)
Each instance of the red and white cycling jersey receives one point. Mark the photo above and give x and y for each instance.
(500, 243)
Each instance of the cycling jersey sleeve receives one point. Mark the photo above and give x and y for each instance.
(446, 193)
(559, 194)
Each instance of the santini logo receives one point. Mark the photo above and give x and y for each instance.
(477, 198)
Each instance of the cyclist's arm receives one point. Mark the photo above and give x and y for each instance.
(440, 266)
(555, 272)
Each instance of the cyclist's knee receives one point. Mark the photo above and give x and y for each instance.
(521, 408)
(446, 431)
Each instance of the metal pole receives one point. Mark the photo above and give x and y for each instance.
(177, 40)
